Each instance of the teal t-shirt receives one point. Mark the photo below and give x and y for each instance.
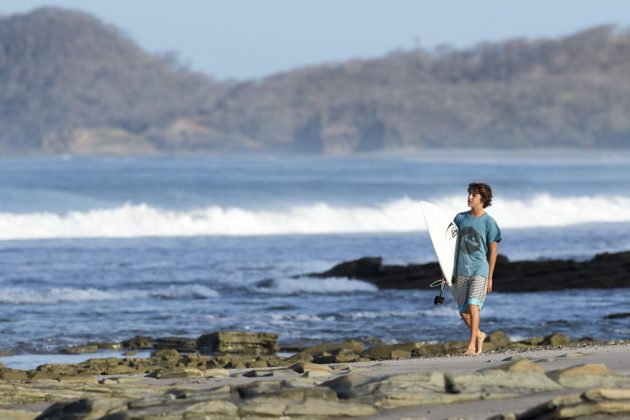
(475, 233)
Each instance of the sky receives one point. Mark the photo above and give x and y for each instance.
(248, 39)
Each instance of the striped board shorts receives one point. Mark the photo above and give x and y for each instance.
(470, 290)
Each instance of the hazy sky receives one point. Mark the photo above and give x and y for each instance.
(253, 38)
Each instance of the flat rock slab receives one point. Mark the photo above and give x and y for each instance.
(459, 381)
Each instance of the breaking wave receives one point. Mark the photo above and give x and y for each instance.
(318, 286)
(402, 215)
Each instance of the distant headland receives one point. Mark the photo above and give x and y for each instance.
(74, 85)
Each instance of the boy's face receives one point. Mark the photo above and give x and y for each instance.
(474, 199)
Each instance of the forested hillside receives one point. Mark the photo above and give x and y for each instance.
(72, 84)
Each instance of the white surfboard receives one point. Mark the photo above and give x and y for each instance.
(444, 233)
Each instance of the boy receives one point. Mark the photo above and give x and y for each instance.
(479, 236)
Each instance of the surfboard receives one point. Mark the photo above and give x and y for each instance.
(443, 232)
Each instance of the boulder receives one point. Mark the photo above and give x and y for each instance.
(520, 366)
(234, 342)
(432, 350)
(589, 376)
(499, 338)
(555, 340)
(138, 342)
(181, 344)
(170, 355)
(391, 351)
(533, 341)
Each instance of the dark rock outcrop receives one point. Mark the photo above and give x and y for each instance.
(604, 271)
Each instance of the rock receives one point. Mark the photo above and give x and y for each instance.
(520, 366)
(258, 374)
(89, 348)
(312, 369)
(79, 379)
(8, 414)
(517, 379)
(13, 374)
(120, 380)
(618, 315)
(328, 349)
(555, 340)
(138, 342)
(534, 341)
(363, 267)
(298, 357)
(182, 372)
(345, 357)
(543, 275)
(213, 407)
(103, 345)
(499, 338)
(589, 376)
(595, 403)
(391, 351)
(432, 350)
(265, 407)
(313, 409)
(171, 355)
(286, 389)
(181, 344)
(234, 342)
(83, 408)
(393, 391)
(216, 373)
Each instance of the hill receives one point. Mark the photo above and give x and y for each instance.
(72, 84)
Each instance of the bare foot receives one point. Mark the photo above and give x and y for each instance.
(470, 352)
(480, 339)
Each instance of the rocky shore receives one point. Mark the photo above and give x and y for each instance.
(243, 375)
(603, 271)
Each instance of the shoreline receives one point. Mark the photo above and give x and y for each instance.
(317, 383)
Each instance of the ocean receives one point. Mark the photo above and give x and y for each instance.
(102, 249)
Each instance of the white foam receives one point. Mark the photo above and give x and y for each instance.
(318, 286)
(402, 215)
(17, 295)
(444, 311)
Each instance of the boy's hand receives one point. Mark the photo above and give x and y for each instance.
(489, 284)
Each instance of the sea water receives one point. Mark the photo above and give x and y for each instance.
(102, 249)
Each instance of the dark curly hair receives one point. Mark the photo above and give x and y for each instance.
(484, 190)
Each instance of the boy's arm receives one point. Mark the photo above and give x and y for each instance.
(493, 250)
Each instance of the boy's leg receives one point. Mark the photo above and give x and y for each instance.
(481, 336)
(473, 312)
